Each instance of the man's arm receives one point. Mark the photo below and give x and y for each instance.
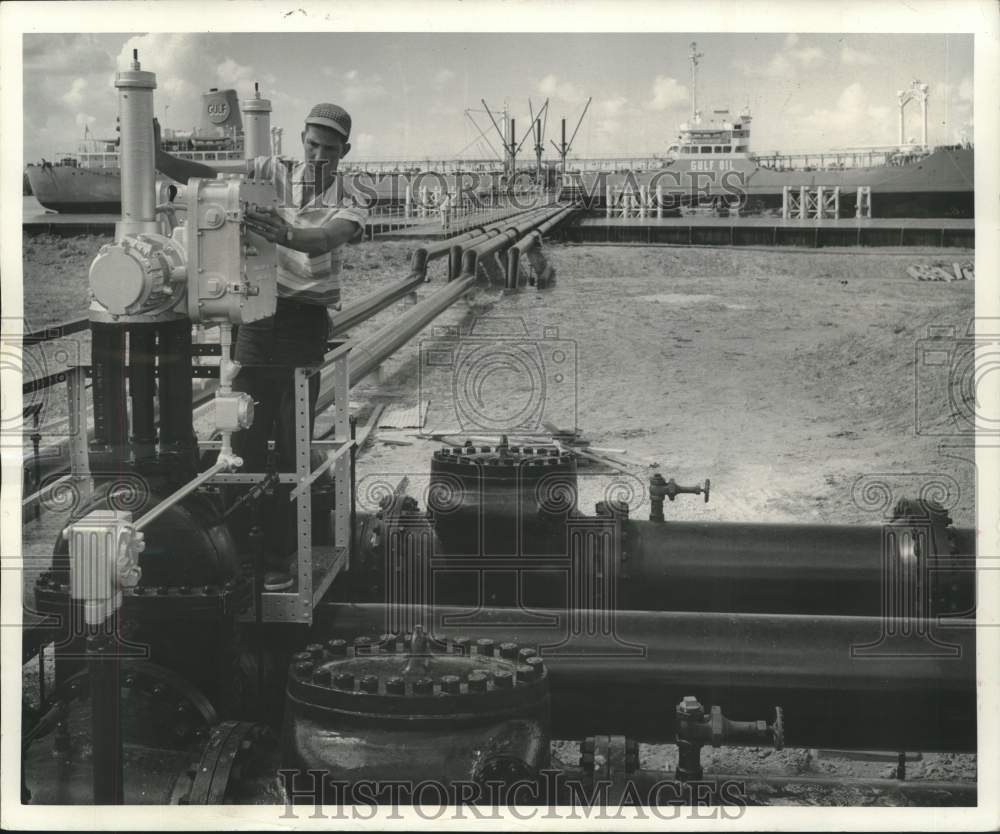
(178, 169)
(311, 240)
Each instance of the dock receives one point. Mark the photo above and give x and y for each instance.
(676, 231)
(771, 231)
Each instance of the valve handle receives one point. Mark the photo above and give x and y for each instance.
(673, 489)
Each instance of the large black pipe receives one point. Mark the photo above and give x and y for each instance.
(686, 566)
(106, 720)
(912, 694)
(142, 389)
(176, 422)
(784, 568)
(107, 356)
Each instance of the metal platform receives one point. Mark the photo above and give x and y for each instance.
(771, 231)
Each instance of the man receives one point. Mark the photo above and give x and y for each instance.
(445, 207)
(310, 229)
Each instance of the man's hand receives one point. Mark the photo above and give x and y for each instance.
(266, 222)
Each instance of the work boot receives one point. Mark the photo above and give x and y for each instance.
(278, 580)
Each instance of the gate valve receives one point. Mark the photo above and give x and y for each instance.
(693, 725)
(660, 489)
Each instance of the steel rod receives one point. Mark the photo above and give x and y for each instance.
(180, 494)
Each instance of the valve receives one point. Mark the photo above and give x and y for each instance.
(660, 489)
(695, 729)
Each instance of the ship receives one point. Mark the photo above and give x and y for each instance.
(89, 180)
(711, 164)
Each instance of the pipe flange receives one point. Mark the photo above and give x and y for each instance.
(407, 675)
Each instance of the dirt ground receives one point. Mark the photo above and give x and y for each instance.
(793, 379)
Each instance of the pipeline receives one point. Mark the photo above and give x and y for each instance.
(783, 568)
(458, 245)
(368, 353)
(842, 570)
(366, 307)
(624, 674)
(528, 242)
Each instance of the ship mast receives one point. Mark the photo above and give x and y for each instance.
(694, 56)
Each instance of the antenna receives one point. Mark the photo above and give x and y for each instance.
(694, 56)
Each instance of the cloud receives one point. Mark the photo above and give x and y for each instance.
(965, 89)
(853, 120)
(442, 77)
(855, 57)
(808, 55)
(778, 67)
(552, 87)
(439, 108)
(66, 55)
(77, 93)
(611, 106)
(235, 74)
(360, 89)
(786, 62)
(667, 93)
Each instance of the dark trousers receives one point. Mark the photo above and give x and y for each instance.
(269, 350)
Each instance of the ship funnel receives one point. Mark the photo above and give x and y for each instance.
(257, 125)
(220, 116)
(138, 163)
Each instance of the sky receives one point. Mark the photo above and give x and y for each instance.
(408, 93)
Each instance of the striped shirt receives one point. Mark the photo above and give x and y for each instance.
(316, 279)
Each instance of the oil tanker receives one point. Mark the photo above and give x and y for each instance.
(89, 181)
(712, 165)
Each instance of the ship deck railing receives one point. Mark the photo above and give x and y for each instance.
(832, 160)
